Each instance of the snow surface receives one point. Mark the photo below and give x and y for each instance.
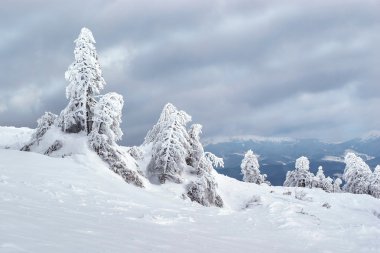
(13, 137)
(76, 204)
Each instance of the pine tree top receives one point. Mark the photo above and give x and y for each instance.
(85, 35)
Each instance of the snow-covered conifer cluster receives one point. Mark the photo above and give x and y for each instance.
(250, 169)
(302, 177)
(358, 177)
(374, 185)
(171, 151)
(177, 152)
(98, 116)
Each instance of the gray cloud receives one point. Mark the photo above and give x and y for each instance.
(281, 68)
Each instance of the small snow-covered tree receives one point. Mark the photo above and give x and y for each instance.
(319, 177)
(43, 125)
(336, 185)
(321, 181)
(85, 81)
(374, 187)
(204, 189)
(301, 176)
(106, 131)
(356, 174)
(107, 116)
(170, 146)
(196, 148)
(327, 184)
(250, 169)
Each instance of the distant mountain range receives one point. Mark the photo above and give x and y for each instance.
(277, 156)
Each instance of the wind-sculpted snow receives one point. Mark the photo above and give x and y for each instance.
(76, 204)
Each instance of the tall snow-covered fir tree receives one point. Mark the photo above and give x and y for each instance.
(356, 174)
(170, 146)
(301, 176)
(250, 169)
(85, 81)
(374, 187)
(204, 189)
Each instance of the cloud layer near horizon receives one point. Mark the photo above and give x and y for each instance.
(272, 68)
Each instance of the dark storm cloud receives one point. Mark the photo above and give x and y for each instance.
(295, 68)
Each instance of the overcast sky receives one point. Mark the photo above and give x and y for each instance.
(303, 69)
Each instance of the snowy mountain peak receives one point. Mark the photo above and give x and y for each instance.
(372, 135)
(242, 138)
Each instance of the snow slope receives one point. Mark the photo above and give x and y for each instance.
(76, 204)
(13, 137)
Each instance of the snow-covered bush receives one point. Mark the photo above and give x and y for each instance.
(374, 187)
(356, 174)
(170, 146)
(203, 191)
(43, 125)
(204, 188)
(301, 195)
(301, 176)
(250, 169)
(85, 81)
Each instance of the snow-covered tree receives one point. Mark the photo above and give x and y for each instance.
(204, 188)
(106, 131)
(327, 184)
(107, 116)
(323, 182)
(336, 185)
(356, 174)
(43, 125)
(85, 81)
(170, 146)
(301, 176)
(374, 187)
(250, 169)
(196, 148)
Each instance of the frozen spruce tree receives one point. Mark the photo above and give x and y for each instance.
(250, 169)
(85, 82)
(374, 187)
(301, 176)
(43, 125)
(171, 146)
(336, 185)
(357, 174)
(106, 132)
(204, 188)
